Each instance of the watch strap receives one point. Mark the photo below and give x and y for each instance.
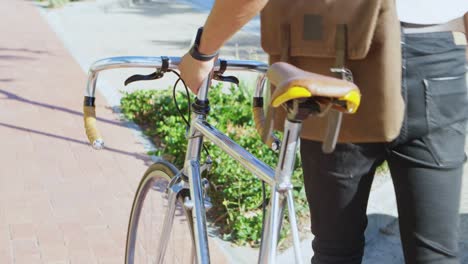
(195, 53)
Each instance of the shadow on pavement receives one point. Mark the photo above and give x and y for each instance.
(25, 50)
(14, 57)
(385, 245)
(12, 96)
(172, 43)
(142, 157)
(241, 46)
(16, 51)
(150, 8)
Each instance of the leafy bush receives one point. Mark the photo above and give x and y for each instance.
(236, 194)
(57, 3)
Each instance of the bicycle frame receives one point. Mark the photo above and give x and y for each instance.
(279, 179)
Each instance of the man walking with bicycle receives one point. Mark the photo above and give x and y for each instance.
(419, 127)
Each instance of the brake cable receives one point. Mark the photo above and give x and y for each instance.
(189, 110)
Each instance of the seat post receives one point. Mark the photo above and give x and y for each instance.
(299, 109)
(297, 112)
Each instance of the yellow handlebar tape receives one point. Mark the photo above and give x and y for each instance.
(94, 137)
(259, 120)
(261, 125)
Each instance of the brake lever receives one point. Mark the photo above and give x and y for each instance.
(139, 77)
(153, 76)
(218, 75)
(231, 79)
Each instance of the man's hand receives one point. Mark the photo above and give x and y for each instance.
(194, 72)
(225, 19)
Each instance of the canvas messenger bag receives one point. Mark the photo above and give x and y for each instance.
(303, 33)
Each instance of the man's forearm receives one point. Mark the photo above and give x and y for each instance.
(225, 19)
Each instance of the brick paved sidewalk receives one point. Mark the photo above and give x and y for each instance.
(60, 201)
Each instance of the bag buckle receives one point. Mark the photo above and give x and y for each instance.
(346, 74)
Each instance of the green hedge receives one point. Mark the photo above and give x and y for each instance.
(236, 194)
(57, 3)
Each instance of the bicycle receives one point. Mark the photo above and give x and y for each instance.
(299, 92)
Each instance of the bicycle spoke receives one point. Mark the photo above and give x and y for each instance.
(166, 227)
(159, 231)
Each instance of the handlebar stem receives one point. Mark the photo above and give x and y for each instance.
(202, 94)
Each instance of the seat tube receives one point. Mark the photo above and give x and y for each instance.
(280, 191)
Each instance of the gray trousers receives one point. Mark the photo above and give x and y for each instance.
(425, 161)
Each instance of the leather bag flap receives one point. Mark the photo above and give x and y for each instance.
(313, 26)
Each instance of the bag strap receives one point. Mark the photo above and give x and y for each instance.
(334, 118)
(340, 46)
(285, 42)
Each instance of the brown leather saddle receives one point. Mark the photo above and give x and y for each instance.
(293, 83)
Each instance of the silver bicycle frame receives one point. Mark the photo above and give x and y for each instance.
(279, 179)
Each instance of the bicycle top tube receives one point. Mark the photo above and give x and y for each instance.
(157, 63)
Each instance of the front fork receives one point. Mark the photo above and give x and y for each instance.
(174, 190)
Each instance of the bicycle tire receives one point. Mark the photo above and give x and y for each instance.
(155, 181)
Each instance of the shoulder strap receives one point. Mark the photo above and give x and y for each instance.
(340, 46)
(285, 42)
(334, 118)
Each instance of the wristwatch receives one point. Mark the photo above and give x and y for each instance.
(195, 53)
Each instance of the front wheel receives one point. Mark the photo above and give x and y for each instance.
(157, 231)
